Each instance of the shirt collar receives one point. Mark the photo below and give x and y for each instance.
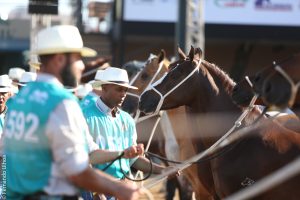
(44, 77)
(104, 108)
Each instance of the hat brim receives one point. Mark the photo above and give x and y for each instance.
(5, 89)
(97, 84)
(21, 84)
(84, 51)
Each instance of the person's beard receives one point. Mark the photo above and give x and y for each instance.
(67, 75)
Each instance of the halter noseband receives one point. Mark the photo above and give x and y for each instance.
(294, 87)
(136, 118)
(162, 97)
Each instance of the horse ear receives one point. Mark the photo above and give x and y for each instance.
(161, 55)
(198, 52)
(181, 54)
(192, 53)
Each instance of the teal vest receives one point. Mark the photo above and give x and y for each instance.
(115, 134)
(87, 100)
(27, 150)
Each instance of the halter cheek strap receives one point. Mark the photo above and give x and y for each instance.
(137, 118)
(248, 81)
(294, 87)
(162, 97)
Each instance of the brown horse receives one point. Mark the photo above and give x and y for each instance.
(176, 122)
(206, 90)
(173, 124)
(163, 141)
(279, 87)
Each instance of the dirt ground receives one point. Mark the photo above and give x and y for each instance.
(159, 192)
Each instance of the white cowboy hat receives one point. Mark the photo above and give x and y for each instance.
(15, 73)
(83, 90)
(5, 83)
(26, 78)
(112, 75)
(61, 39)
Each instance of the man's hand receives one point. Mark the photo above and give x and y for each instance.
(133, 151)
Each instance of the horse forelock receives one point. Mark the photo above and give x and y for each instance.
(226, 81)
(151, 57)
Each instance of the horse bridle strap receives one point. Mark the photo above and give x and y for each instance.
(294, 87)
(162, 97)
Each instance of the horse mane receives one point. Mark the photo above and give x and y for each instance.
(210, 79)
(226, 81)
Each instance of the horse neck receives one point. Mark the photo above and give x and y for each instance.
(208, 108)
(213, 93)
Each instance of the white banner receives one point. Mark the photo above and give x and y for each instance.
(151, 10)
(241, 12)
(253, 12)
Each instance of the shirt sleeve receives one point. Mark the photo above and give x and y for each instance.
(66, 137)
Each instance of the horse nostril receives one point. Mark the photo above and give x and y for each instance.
(235, 89)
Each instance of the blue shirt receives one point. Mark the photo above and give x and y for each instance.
(90, 98)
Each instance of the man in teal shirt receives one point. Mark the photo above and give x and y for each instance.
(45, 136)
(111, 128)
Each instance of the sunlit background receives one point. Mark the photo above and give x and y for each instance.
(241, 36)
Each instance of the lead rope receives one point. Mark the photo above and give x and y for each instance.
(139, 173)
(199, 156)
(137, 119)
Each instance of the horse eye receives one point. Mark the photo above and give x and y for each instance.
(144, 76)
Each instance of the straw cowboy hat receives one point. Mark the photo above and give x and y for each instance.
(112, 75)
(5, 83)
(61, 39)
(26, 78)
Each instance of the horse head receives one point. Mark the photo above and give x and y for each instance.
(154, 68)
(243, 92)
(280, 86)
(175, 88)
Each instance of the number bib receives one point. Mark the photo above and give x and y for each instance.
(27, 150)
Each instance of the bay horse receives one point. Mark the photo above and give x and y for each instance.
(174, 122)
(205, 90)
(164, 142)
(279, 87)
